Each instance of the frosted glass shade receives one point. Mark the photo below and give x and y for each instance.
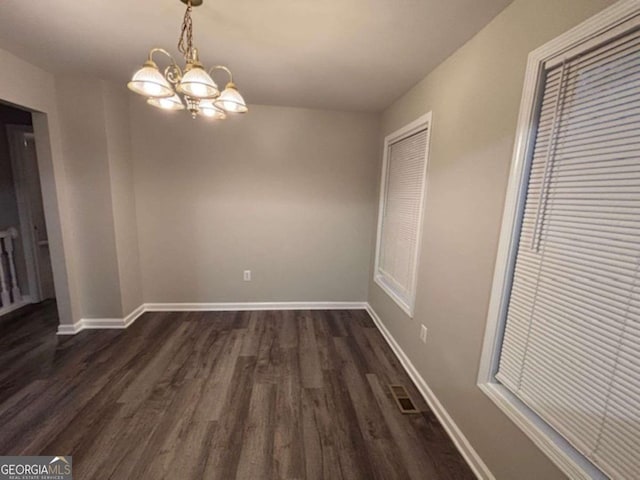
(148, 81)
(167, 103)
(231, 101)
(197, 83)
(208, 109)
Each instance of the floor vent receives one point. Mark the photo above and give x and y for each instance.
(402, 398)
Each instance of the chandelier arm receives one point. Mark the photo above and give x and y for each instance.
(173, 73)
(161, 50)
(222, 67)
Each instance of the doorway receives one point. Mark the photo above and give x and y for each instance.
(25, 268)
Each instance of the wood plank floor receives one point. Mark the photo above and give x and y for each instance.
(203, 395)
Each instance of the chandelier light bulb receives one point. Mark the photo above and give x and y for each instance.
(208, 109)
(231, 101)
(148, 81)
(167, 103)
(198, 83)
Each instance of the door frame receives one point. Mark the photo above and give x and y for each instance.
(30, 88)
(16, 135)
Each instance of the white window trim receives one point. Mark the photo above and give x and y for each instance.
(419, 124)
(550, 442)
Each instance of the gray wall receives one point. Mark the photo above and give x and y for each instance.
(86, 163)
(285, 192)
(475, 97)
(97, 154)
(118, 132)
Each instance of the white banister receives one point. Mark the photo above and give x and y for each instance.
(10, 294)
(5, 297)
(15, 290)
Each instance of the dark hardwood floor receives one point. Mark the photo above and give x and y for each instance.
(203, 395)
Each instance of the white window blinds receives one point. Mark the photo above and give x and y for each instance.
(403, 185)
(571, 346)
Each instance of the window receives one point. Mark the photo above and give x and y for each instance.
(562, 353)
(400, 217)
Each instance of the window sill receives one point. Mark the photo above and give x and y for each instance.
(400, 301)
(568, 459)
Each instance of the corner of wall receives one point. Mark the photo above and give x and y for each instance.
(120, 164)
(84, 148)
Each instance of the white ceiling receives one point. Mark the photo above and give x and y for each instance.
(355, 55)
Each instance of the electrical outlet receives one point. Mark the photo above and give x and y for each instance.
(423, 334)
(247, 275)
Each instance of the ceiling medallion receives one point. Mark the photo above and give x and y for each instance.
(191, 87)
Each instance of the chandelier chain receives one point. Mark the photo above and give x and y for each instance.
(185, 44)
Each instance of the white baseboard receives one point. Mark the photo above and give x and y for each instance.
(119, 323)
(464, 447)
(101, 323)
(133, 316)
(247, 306)
(70, 329)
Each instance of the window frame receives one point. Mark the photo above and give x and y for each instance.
(424, 121)
(608, 23)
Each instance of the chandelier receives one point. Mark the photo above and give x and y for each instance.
(192, 87)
